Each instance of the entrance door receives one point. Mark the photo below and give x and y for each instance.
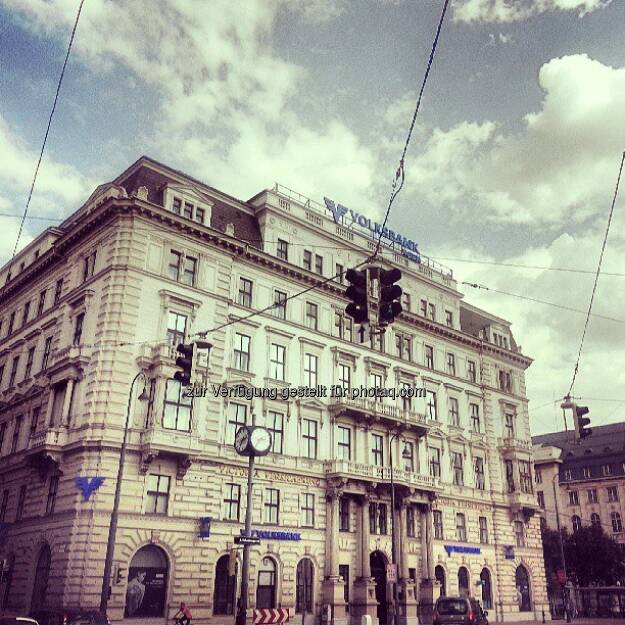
(146, 592)
(266, 588)
(42, 573)
(523, 589)
(487, 591)
(377, 562)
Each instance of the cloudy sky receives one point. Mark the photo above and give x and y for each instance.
(513, 160)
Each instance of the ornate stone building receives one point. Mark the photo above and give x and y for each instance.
(155, 257)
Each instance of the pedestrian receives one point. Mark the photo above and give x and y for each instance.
(185, 615)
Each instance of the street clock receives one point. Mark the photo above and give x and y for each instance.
(252, 441)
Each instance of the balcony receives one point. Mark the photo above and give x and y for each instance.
(69, 361)
(48, 439)
(45, 450)
(158, 441)
(379, 411)
(372, 473)
(511, 444)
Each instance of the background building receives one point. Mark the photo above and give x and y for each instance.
(156, 256)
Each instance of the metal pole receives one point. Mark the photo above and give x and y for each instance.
(245, 573)
(564, 589)
(393, 535)
(110, 545)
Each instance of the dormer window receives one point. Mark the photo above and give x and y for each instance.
(188, 203)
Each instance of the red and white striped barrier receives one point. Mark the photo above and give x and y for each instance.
(269, 616)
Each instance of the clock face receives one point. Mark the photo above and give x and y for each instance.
(261, 440)
(241, 439)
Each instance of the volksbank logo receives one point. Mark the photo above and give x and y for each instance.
(408, 247)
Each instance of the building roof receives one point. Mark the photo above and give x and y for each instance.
(604, 439)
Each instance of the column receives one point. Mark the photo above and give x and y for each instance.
(403, 542)
(333, 586)
(427, 596)
(69, 389)
(425, 566)
(364, 602)
(49, 416)
(429, 527)
(365, 565)
(407, 604)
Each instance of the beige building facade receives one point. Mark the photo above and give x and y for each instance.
(156, 257)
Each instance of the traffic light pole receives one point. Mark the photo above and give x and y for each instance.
(245, 573)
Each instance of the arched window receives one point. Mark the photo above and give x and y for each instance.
(147, 583)
(42, 574)
(439, 574)
(304, 583)
(463, 582)
(223, 600)
(617, 525)
(595, 520)
(266, 587)
(576, 522)
(487, 589)
(522, 581)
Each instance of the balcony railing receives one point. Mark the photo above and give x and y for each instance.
(510, 442)
(383, 474)
(51, 437)
(172, 441)
(377, 408)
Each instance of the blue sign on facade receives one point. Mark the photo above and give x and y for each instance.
(408, 247)
(205, 526)
(461, 549)
(275, 535)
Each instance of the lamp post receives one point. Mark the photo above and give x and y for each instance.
(564, 587)
(110, 545)
(405, 454)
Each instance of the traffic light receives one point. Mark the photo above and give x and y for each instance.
(120, 574)
(185, 362)
(390, 293)
(581, 422)
(358, 293)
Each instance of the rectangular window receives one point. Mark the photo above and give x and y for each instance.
(451, 364)
(42, 302)
(275, 425)
(471, 371)
(241, 352)
(405, 302)
(592, 496)
(480, 478)
(78, 329)
(574, 498)
(519, 533)
(232, 502)
(339, 272)
(345, 376)
(432, 312)
(58, 289)
(377, 449)
(449, 318)
(541, 498)
(157, 495)
(344, 443)
(382, 518)
(505, 381)
(344, 514)
(21, 500)
(26, 313)
(525, 475)
(173, 268)
(311, 315)
(509, 424)
(176, 328)
(272, 506)
(319, 264)
(308, 260)
(16, 434)
(4, 504)
(277, 361)
(14, 365)
(309, 435)
(279, 304)
(423, 308)
(410, 522)
(475, 417)
(406, 400)
(483, 524)
(237, 417)
(189, 271)
(606, 469)
(435, 462)
(34, 420)
(538, 476)
(177, 407)
(408, 457)
(199, 215)
(461, 527)
(454, 413)
(344, 574)
(343, 326)
(612, 494)
(245, 293)
(47, 348)
(187, 210)
(429, 357)
(176, 205)
(282, 251)
(308, 510)
(437, 517)
(509, 475)
(373, 518)
(586, 472)
(311, 364)
(52, 491)
(457, 468)
(430, 404)
(403, 346)
(29, 363)
(11, 323)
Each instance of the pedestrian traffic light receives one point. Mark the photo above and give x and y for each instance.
(390, 293)
(185, 363)
(581, 422)
(358, 293)
(120, 574)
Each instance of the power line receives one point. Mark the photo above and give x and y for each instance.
(32, 217)
(45, 138)
(400, 174)
(594, 286)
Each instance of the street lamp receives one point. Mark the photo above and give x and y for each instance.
(405, 455)
(564, 587)
(110, 545)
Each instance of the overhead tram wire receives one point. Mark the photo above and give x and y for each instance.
(45, 138)
(594, 286)
(400, 174)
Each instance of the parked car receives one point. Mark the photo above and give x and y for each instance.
(17, 620)
(69, 617)
(459, 611)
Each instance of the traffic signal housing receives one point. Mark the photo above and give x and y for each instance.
(581, 431)
(185, 363)
(358, 293)
(390, 294)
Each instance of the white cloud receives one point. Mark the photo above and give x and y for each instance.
(517, 10)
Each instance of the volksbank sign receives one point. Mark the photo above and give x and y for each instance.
(408, 247)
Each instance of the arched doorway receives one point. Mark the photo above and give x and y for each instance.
(522, 581)
(304, 586)
(463, 582)
(42, 574)
(225, 587)
(266, 587)
(377, 562)
(439, 574)
(487, 589)
(146, 593)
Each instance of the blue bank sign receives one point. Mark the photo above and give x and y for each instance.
(408, 246)
(461, 549)
(274, 535)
